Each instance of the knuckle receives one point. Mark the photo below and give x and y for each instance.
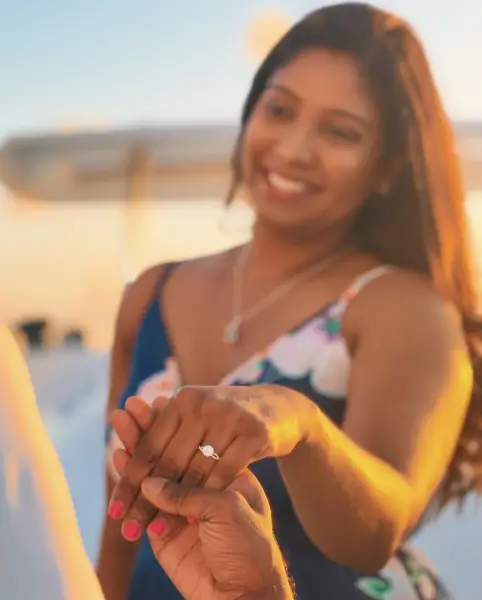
(262, 431)
(193, 477)
(143, 510)
(233, 502)
(260, 440)
(146, 451)
(217, 400)
(176, 494)
(187, 401)
(166, 467)
(225, 474)
(126, 489)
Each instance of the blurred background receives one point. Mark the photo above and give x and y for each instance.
(117, 124)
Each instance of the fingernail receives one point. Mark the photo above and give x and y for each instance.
(131, 530)
(191, 520)
(116, 510)
(157, 527)
(153, 485)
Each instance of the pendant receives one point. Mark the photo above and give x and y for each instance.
(231, 331)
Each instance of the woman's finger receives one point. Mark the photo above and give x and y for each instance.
(120, 459)
(237, 457)
(202, 465)
(140, 411)
(144, 458)
(130, 423)
(126, 428)
(171, 465)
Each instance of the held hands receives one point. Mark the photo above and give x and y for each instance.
(241, 424)
(225, 548)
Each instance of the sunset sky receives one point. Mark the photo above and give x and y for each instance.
(105, 63)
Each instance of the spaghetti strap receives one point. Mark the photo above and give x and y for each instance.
(362, 281)
(166, 272)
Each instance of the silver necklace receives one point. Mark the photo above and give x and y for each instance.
(232, 331)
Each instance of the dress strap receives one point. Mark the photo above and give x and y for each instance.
(166, 272)
(363, 280)
(356, 286)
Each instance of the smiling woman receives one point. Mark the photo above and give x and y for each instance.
(346, 383)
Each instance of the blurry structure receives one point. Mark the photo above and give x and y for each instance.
(120, 165)
(92, 166)
(34, 332)
(111, 204)
(74, 337)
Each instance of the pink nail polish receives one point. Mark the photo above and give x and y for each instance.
(191, 520)
(131, 531)
(116, 510)
(157, 527)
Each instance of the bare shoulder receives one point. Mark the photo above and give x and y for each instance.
(197, 273)
(402, 300)
(136, 297)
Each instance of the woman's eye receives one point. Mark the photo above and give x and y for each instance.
(279, 111)
(341, 133)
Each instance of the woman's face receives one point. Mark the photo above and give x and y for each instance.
(312, 146)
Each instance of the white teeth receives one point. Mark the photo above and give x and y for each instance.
(286, 185)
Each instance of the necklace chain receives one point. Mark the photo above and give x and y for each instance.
(240, 317)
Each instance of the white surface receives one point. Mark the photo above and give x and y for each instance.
(41, 555)
(71, 390)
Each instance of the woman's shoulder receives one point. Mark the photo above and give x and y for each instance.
(407, 298)
(189, 270)
(202, 271)
(402, 287)
(180, 277)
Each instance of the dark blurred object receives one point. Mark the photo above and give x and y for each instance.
(34, 330)
(74, 337)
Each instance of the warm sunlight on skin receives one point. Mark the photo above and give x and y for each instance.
(30, 453)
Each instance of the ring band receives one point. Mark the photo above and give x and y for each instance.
(208, 452)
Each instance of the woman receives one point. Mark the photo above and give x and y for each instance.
(335, 353)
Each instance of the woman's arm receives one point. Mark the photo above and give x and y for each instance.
(41, 547)
(116, 556)
(359, 490)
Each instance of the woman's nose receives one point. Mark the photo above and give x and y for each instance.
(296, 148)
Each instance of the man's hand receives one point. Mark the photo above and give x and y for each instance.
(226, 550)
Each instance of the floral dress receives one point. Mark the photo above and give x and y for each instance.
(312, 359)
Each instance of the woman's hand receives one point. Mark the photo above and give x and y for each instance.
(225, 549)
(240, 424)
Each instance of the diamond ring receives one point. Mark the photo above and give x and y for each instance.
(208, 452)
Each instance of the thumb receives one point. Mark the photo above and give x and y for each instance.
(177, 499)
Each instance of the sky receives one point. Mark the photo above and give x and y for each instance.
(115, 63)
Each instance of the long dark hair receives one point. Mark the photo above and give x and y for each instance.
(423, 224)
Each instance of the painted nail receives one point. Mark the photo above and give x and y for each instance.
(157, 527)
(131, 530)
(191, 520)
(116, 510)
